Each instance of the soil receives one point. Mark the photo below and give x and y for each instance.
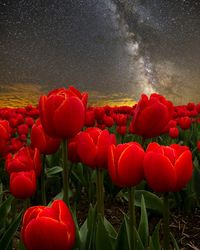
(185, 228)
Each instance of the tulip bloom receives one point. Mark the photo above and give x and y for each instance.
(23, 184)
(151, 116)
(167, 168)
(173, 132)
(125, 164)
(93, 147)
(48, 227)
(62, 112)
(184, 122)
(40, 140)
(25, 159)
(4, 134)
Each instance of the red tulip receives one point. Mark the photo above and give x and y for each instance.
(108, 121)
(48, 228)
(72, 148)
(25, 159)
(40, 140)
(62, 112)
(89, 118)
(121, 130)
(167, 168)
(125, 164)
(4, 135)
(151, 116)
(184, 122)
(93, 147)
(23, 184)
(173, 132)
(23, 129)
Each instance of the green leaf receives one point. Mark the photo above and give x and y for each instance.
(78, 173)
(143, 229)
(139, 244)
(91, 226)
(103, 240)
(176, 247)
(54, 170)
(21, 246)
(156, 237)
(10, 232)
(110, 229)
(5, 208)
(83, 232)
(152, 201)
(122, 238)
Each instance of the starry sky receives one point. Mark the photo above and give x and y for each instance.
(111, 48)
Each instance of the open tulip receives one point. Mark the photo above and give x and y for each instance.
(48, 227)
(62, 112)
(167, 168)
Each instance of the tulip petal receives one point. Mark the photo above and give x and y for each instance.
(159, 172)
(183, 168)
(69, 117)
(46, 233)
(87, 150)
(130, 166)
(112, 164)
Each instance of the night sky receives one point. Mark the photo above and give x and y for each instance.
(115, 48)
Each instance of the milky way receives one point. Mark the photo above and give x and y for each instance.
(104, 46)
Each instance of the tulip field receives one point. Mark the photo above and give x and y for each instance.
(69, 171)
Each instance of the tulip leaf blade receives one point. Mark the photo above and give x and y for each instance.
(143, 229)
(139, 244)
(122, 238)
(53, 170)
(156, 237)
(5, 208)
(103, 241)
(176, 247)
(10, 232)
(152, 201)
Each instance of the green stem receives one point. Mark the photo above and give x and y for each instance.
(99, 189)
(27, 203)
(65, 172)
(42, 178)
(132, 221)
(166, 222)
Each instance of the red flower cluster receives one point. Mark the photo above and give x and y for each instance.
(23, 168)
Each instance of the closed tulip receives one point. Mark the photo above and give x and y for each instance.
(23, 184)
(125, 164)
(93, 147)
(25, 159)
(48, 228)
(167, 168)
(151, 116)
(40, 140)
(173, 132)
(62, 112)
(185, 122)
